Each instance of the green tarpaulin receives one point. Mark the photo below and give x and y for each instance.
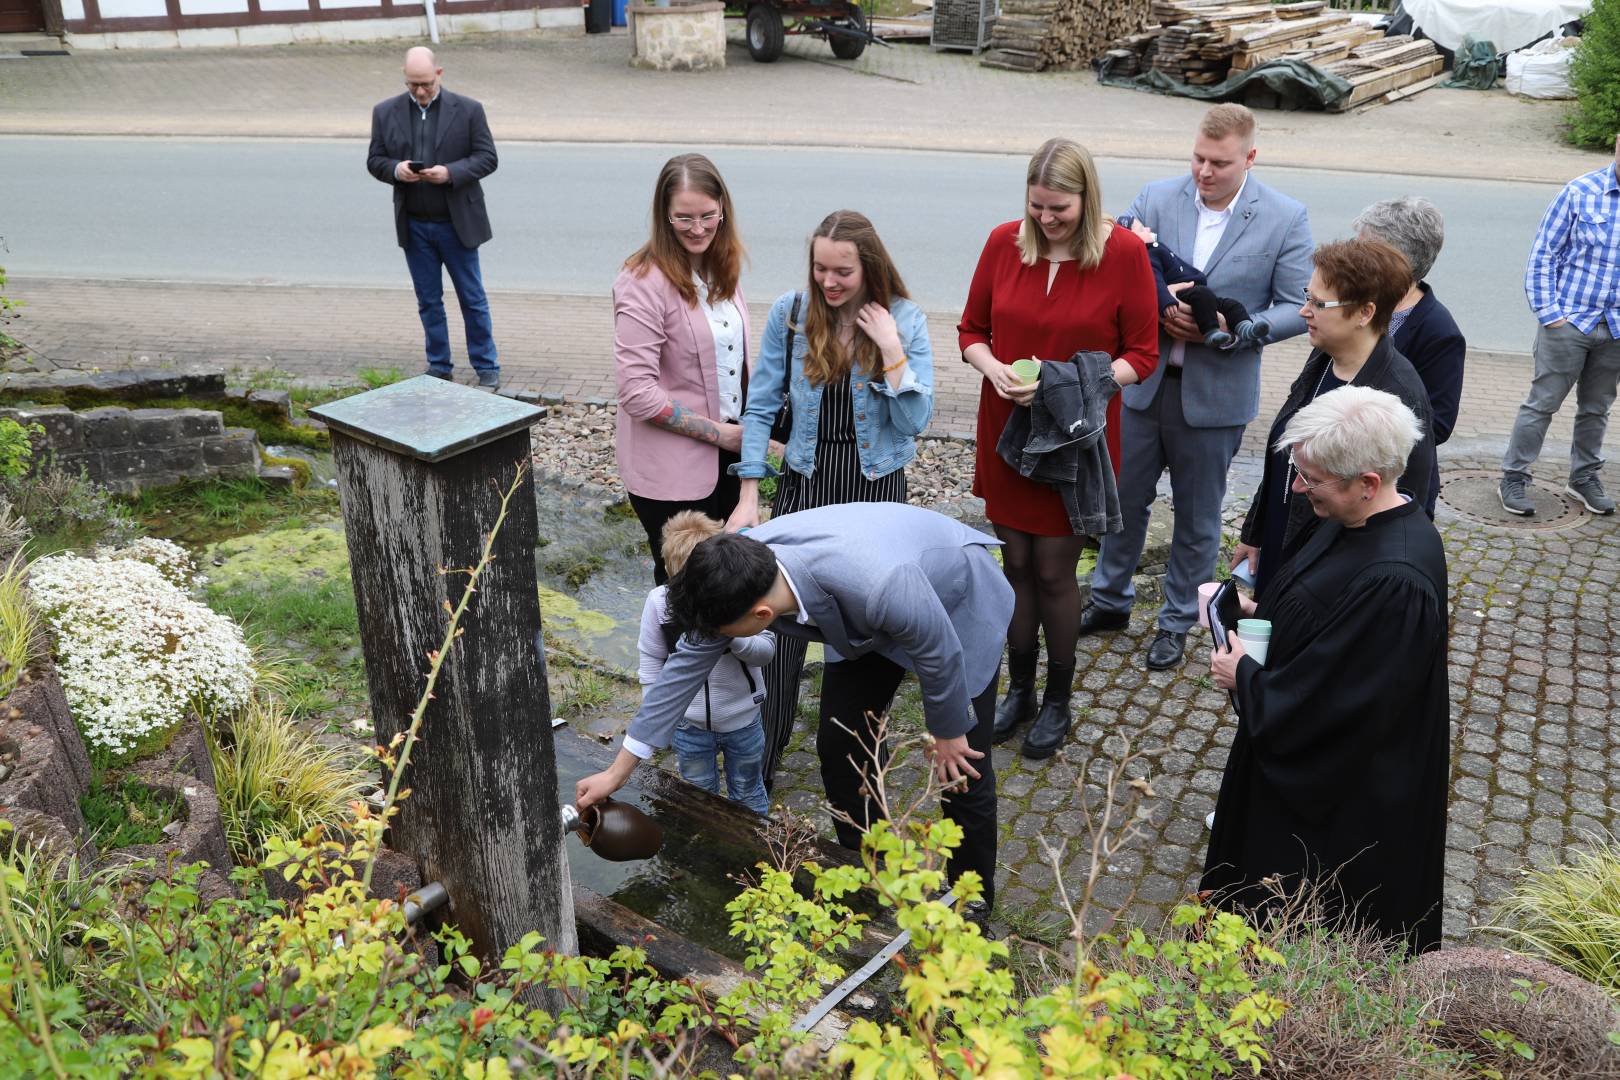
(1298, 84)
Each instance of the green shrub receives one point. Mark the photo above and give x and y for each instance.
(16, 447)
(8, 312)
(1570, 914)
(274, 779)
(1595, 75)
(67, 512)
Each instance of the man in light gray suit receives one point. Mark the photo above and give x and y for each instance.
(1254, 245)
(889, 588)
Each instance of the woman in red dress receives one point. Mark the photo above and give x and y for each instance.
(1063, 280)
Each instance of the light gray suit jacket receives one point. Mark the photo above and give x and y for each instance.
(911, 584)
(1263, 261)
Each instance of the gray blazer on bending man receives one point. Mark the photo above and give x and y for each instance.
(892, 588)
(913, 585)
(1190, 418)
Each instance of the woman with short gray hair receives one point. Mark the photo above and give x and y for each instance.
(1336, 780)
(1421, 328)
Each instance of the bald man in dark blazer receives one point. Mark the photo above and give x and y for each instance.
(434, 147)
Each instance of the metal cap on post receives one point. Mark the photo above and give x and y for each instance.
(422, 465)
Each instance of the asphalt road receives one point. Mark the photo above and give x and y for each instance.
(565, 215)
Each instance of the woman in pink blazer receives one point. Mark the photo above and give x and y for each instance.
(680, 349)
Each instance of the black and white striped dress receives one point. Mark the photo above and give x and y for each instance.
(837, 479)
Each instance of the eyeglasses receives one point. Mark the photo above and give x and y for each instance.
(1305, 481)
(686, 222)
(420, 85)
(1323, 305)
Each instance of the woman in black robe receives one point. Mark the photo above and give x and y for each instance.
(1337, 776)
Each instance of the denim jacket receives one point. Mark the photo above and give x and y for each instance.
(887, 421)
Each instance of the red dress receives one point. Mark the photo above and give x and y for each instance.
(1108, 309)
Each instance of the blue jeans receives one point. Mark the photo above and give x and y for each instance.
(744, 750)
(434, 244)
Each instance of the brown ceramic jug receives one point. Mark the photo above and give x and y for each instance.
(616, 831)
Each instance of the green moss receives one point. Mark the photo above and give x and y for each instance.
(272, 427)
(318, 552)
(575, 567)
(562, 610)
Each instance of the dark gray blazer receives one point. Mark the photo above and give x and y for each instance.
(464, 145)
(911, 584)
(1263, 261)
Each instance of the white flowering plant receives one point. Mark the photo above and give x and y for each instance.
(135, 652)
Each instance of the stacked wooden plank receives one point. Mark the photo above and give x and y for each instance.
(1201, 42)
(1387, 70)
(1037, 35)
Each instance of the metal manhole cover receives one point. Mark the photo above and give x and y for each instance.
(1472, 494)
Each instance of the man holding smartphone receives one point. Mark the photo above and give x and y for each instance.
(434, 147)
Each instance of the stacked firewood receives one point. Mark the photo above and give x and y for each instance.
(1202, 42)
(1036, 35)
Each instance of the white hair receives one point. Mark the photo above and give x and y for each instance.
(1355, 430)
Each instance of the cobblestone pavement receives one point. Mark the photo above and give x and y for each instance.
(1536, 755)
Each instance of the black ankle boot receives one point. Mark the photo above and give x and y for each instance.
(1051, 728)
(1018, 706)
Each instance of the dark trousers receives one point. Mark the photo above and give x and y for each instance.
(1206, 305)
(653, 513)
(433, 248)
(855, 690)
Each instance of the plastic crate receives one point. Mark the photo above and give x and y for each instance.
(962, 24)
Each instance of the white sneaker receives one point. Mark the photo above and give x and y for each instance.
(1209, 821)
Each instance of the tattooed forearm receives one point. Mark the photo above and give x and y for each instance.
(684, 421)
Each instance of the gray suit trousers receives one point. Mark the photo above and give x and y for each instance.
(1152, 440)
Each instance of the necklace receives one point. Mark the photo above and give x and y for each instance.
(1288, 488)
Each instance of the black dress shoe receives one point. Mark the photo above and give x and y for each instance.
(1094, 620)
(1167, 650)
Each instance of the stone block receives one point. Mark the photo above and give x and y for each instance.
(89, 462)
(198, 423)
(50, 767)
(107, 427)
(237, 448)
(62, 428)
(202, 834)
(142, 464)
(186, 755)
(272, 402)
(281, 476)
(153, 427)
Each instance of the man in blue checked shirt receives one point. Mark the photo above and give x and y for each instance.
(1573, 282)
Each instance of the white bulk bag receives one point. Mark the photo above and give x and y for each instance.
(1542, 69)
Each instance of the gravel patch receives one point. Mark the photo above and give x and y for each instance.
(573, 443)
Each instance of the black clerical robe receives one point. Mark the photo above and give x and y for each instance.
(1338, 771)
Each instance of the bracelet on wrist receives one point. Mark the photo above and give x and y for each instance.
(897, 365)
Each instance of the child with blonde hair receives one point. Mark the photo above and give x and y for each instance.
(723, 720)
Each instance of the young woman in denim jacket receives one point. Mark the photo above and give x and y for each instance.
(860, 383)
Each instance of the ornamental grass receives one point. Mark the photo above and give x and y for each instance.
(1569, 914)
(274, 779)
(22, 634)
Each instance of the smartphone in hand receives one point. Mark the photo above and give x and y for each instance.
(418, 166)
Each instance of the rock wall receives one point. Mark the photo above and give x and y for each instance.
(130, 450)
(682, 37)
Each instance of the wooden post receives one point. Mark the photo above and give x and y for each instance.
(421, 467)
